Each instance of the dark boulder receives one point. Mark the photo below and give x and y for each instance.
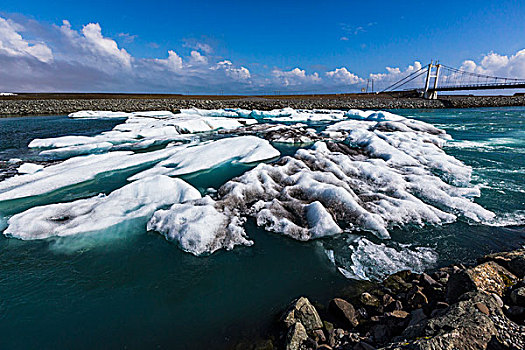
(344, 312)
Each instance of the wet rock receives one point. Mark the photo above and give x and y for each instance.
(488, 277)
(296, 337)
(301, 310)
(518, 296)
(344, 312)
(319, 335)
(513, 261)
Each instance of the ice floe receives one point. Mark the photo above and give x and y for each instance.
(366, 171)
(203, 156)
(138, 200)
(365, 183)
(371, 261)
(199, 227)
(29, 168)
(75, 171)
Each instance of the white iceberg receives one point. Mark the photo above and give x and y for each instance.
(206, 155)
(136, 201)
(199, 227)
(75, 171)
(29, 168)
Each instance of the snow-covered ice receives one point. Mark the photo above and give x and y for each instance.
(199, 227)
(138, 200)
(203, 156)
(29, 168)
(366, 171)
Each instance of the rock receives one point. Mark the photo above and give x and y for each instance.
(516, 311)
(518, 296)
(296, 337)
(387, 300)
(462, 326)
(301, 310)
(264, 345)
(381, 333)
(488, 277)
(417, 322)
(363, 346)
(429, 282)
(319, 335)
(329, 327)
(482, 307)
(339, 333)
(396, 305)
(498, 299)
(324, 347)
(399, 314)
(368, 299)
(396, 283)
(344, 312)
(513, 261)
(416, 299)
(441, 305)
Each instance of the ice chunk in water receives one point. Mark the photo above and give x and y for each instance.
(29, 168)
(203, 156)
(138, 200)
(199, 227)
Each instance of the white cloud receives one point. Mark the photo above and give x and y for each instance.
(197, 58)
(173, 62)
(13, 44)
(95, 46)
(241, 73)
(392, 75)
(495, 64)
(342, 75)
(295, 76)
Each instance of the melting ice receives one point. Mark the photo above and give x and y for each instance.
(355, 171)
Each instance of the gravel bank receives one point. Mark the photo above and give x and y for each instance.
(9, 107)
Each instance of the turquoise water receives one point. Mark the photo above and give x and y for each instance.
(140, 291)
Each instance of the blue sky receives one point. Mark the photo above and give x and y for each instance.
(270, 37)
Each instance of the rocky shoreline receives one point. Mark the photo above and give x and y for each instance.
(21, 106)
(455, 307)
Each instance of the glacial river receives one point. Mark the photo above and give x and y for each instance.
(134, 289)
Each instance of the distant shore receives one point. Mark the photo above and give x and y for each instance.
(38, 104)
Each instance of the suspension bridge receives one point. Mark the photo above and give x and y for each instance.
(436, 77)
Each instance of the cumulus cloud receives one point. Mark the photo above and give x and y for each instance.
(295, 77)
(64, 58)
(173, 62)
(494, 64)
(197, 58)
(241, 73)
(94, 47)
(342, 75)
(14, 45)
(393, 75)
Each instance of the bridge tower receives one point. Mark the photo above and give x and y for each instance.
(432, 72)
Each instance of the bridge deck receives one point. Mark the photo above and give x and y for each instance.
(481, 87)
